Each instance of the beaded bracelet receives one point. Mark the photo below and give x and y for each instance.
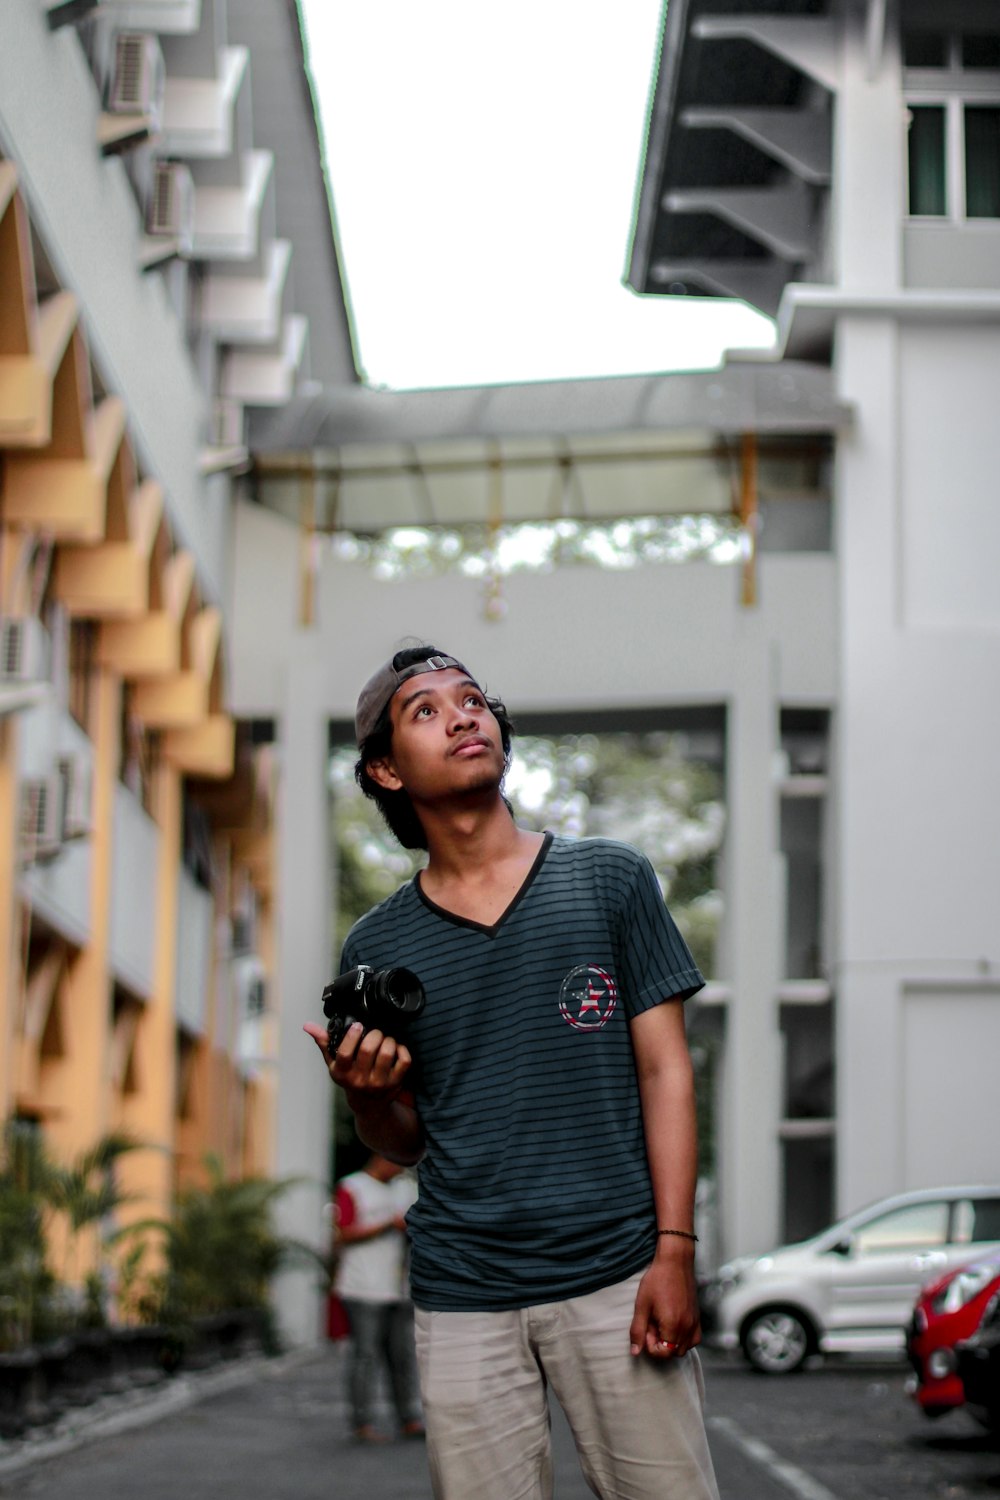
(685, 1234)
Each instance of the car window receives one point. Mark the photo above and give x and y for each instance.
(976, 1219)
(913, 1228)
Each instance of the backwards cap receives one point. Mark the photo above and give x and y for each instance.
(384, 683)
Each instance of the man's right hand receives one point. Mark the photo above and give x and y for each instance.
(368, 1066)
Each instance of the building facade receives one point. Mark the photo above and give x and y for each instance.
(838, 166)
(181, 426)
(146, 314)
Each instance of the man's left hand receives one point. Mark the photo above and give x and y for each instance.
(666, 1322)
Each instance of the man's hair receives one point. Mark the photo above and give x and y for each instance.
(396, 807)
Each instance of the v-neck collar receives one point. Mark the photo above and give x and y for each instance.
(508, 911)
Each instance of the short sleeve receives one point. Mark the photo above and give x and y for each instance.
(344, 1209)
(655, 962)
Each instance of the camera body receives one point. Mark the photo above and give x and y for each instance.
(384, 1000)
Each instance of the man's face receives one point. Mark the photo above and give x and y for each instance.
(445, 740)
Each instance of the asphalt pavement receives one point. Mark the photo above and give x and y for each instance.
(277, 1428)
(271, 1428)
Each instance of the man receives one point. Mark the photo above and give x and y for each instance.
(547, 1094)
(372, 1283)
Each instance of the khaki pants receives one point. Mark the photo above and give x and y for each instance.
(637, 1422)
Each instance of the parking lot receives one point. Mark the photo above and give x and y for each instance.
(842, 1429)
(836, 1432)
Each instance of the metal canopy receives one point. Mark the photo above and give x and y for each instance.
(470, 483)
(744, 396)
(600, 449)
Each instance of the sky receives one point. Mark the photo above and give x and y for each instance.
(483, 163)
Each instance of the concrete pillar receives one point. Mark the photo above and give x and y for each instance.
(869, 539)
(76, 1089)
(150, 1112)
(304, 966)
(10, 945)
(751, 1103)
(867, 228)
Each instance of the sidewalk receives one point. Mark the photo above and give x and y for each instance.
(256, 1429)
(140, 1407)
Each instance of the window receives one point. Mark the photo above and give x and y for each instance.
(926, 160)
(982, 161)
(138, 753)
(980, 52)
(925, 49)
(921, 1226)
(82, 665)
(977, 1221)
(952, 85)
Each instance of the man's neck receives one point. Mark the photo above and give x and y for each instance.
(478, 863)
(465, 841)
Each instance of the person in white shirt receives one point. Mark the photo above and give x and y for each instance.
(372, 1283)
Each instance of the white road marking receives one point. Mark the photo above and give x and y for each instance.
(797, 1480)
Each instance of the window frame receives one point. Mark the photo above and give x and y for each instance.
(951, 88)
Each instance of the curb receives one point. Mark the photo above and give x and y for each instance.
(116, 1414)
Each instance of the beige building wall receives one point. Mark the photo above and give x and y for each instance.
(126, 786)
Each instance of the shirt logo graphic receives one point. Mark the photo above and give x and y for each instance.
(587, 997)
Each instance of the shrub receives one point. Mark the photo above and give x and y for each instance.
(221, 1249)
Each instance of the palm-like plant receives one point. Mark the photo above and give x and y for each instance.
(86, 1192)
(26, 1282)
(221, 1247)
(36, 1191)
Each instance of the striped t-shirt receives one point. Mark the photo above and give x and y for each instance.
(535, 1185)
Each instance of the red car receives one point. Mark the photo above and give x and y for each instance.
(946, 1311)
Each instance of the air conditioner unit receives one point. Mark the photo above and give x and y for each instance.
(241, 926)
(24, 650)
(251, 985)
(256, 996)
(77, 784)
(170, 213)
(41, 819)
(138, 77)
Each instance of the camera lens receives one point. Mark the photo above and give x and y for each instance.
(402, 990)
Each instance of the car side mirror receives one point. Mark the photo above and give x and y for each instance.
(842, 1247)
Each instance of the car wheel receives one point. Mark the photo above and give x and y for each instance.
(776, 1341)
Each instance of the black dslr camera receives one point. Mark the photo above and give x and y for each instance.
(381, 999)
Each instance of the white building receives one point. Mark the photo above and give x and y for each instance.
(839, 166)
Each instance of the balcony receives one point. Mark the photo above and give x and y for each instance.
(194, 954)
(135, 861)
(246, 309)
(227, 217)
(266, 377)
(199, 113)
